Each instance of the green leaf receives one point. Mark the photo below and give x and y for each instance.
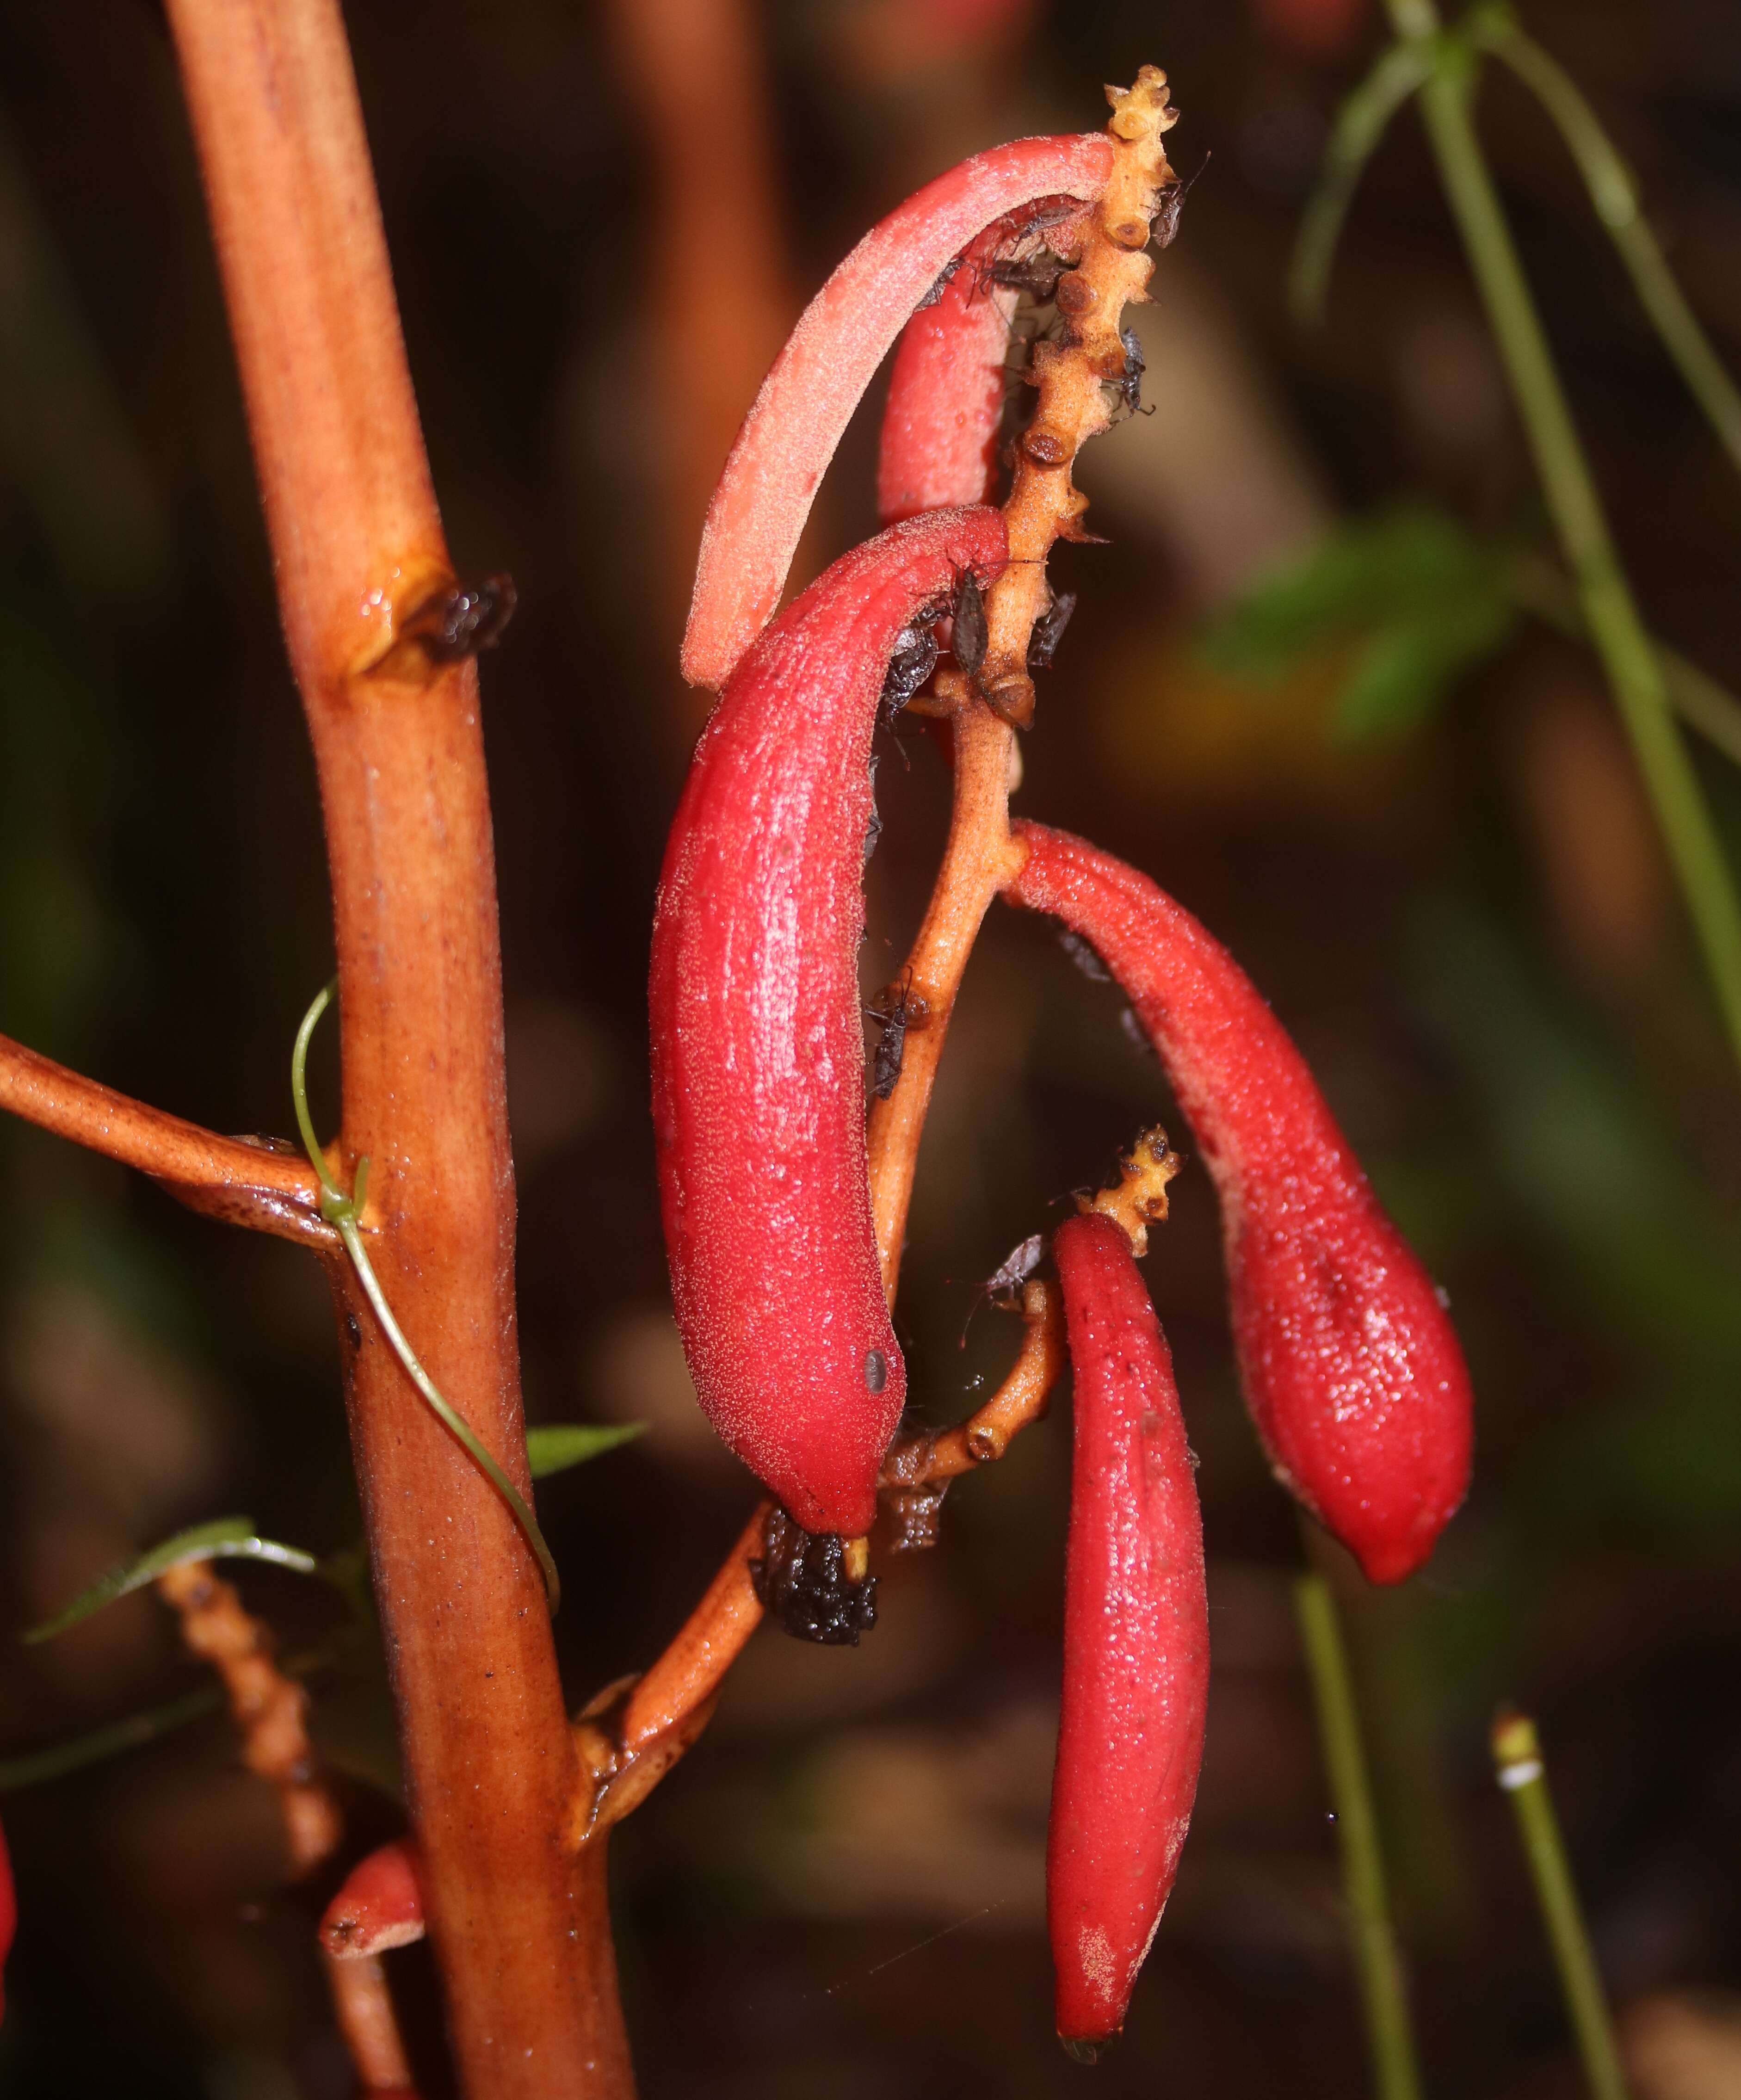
(557, 1445)
(224, 1538)
(1422, 600)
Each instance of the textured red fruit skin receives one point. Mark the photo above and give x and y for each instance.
(8, 1915)
(380, 1904)
(1136, 1639)
(789, 436)
(1351, 1367)
(946, 389)
(758, 1044)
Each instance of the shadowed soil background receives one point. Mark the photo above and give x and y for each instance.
(601, 224)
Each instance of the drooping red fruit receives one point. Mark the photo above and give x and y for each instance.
(946, 389)
(1136, 1640)
(790, 434)
(758, 1055)
(380, 1905)
(8, 1916)
(1351, 1366)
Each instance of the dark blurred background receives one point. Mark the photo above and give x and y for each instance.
(602, 225)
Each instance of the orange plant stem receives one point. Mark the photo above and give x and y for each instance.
(523, 1946)
(243, 1182)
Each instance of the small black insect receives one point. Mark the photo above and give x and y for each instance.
(874, 829)
(1016, 1267)
(894, 1010)
(967, 642)
(1048, 631)
(353, 1330)
(911, 662)
(941, 285)
(1131, 386)
(465, 620)
(1166, 218)
(1037, 274)
(1084, 957)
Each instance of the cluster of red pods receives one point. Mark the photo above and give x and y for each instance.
(1350, 1366)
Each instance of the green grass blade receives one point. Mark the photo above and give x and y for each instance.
(1614, 192)
(1360, 123)
(224, 1538)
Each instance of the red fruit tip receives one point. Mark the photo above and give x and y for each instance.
(1386, 1566)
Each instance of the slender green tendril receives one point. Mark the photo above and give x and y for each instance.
(343, 1213)
(1634, 671)
(1613, 193)
(1360, 124)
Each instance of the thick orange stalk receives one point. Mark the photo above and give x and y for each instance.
(361, 562)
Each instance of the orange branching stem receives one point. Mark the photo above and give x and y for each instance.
(372, 616)
(364, 2008)
(1023, 1398)
(1073, 377)
(635, 1731)
(270, 1709)
(246, 1181)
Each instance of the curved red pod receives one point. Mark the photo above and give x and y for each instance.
(8, 1915)
(1136, 1640)
(1351, 1366)
(790, 434)
(758, 1044)
(380, 1905)
(946, 389)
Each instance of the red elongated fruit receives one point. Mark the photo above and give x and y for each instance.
(789, 436)
(8, 1916)
(380, 1904)
(758, 1045)
(1351, 1366)
(946, 389)
(1136, 1640)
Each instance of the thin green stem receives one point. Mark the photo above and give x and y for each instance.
(1517, 1758)
(1695, 696)
(38, 1767)
(1613, 192)
(1396, 2074)
(342, 1213)
(1633, 672)
(1360, 123)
